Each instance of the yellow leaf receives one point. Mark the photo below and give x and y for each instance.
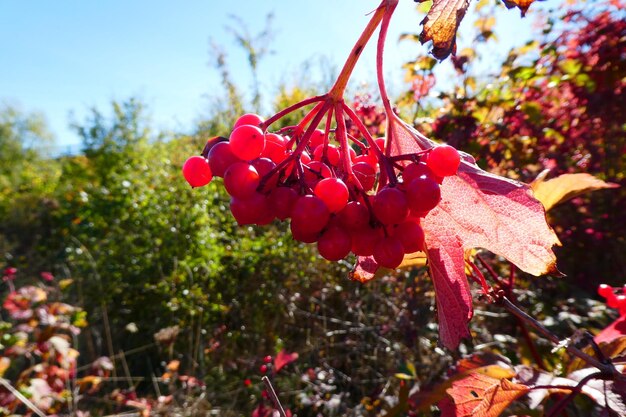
(415, 259)
(564, 187)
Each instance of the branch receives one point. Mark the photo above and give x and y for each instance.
(273, 396)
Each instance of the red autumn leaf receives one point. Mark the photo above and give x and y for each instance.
(441, 24)
(477, 209)
(479, 395)
(283, 359)
(612, 331)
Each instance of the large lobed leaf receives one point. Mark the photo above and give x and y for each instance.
(477, 209)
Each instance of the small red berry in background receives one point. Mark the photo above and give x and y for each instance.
(197, 172)
(443, 160)
(263, 369)
(247, 382)
(267, 359)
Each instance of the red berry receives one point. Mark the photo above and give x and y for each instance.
(302, 235)
(423, 194)
(252, 210)
(381, 142)
(263, 369)
(444, 160)
(314, 171)
(317, 139)
(389, 252)
(197, 172)
(621, 303)
(390, 206)
(332, 154)
(415, 170)
(241, 180)
(333, 192)
(364, 240)
(366, 175)
(267, 359)
(411, 235)
(248, 119)
(605, 291)
(274, 148)
(264, 166)
(247, 142)
(220, 158)
(247, 382)
(282, 200)
(309, 215)
(354, 215)
(334, 244)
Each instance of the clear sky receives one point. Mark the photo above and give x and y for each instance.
(63, 57)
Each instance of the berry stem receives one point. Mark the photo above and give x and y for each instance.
(336, 92)
(380, 49)
(382, 159)
(291, 109)
(343, 142)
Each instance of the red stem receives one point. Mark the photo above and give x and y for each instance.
(291, 109)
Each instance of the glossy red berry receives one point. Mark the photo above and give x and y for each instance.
(443, 160)
(334, 244)
(364, 240)
(197, 172)
(390, 206)
(221, 158)
(263, 369)
(247, 142)
(411, 235)
(241, 180)
(248, 119)
(415, 170)
(254, 209)
(267, 359)
(366, 175)
(333, 192)
(354, 216)
(423, 194)
(317, 139)
(389, 252)
(605, 291)
(309, 215)
(282, 200)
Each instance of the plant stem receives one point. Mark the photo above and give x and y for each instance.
(606, 368)
(273, 396)
(336, 92)
(291, 109)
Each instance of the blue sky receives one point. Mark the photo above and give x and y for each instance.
(61, 58)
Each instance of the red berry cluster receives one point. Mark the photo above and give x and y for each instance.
(325, 189)
(614, 300)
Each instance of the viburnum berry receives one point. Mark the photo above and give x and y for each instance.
(390, 206)
(241, 180)
(354, 215)
(309, 215)
(364, 240)
(411, 235)
(416, 170)
(334, 244)
(267, 359)
(248, 119)
(221, 158)
(282, 200)
(389, 252)
(197, 171)
(444, 160)
(252, 210)
(422, 194)
(605, 291)
(263, 369)
(247, 142)
(365, 174)
(333, 192)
